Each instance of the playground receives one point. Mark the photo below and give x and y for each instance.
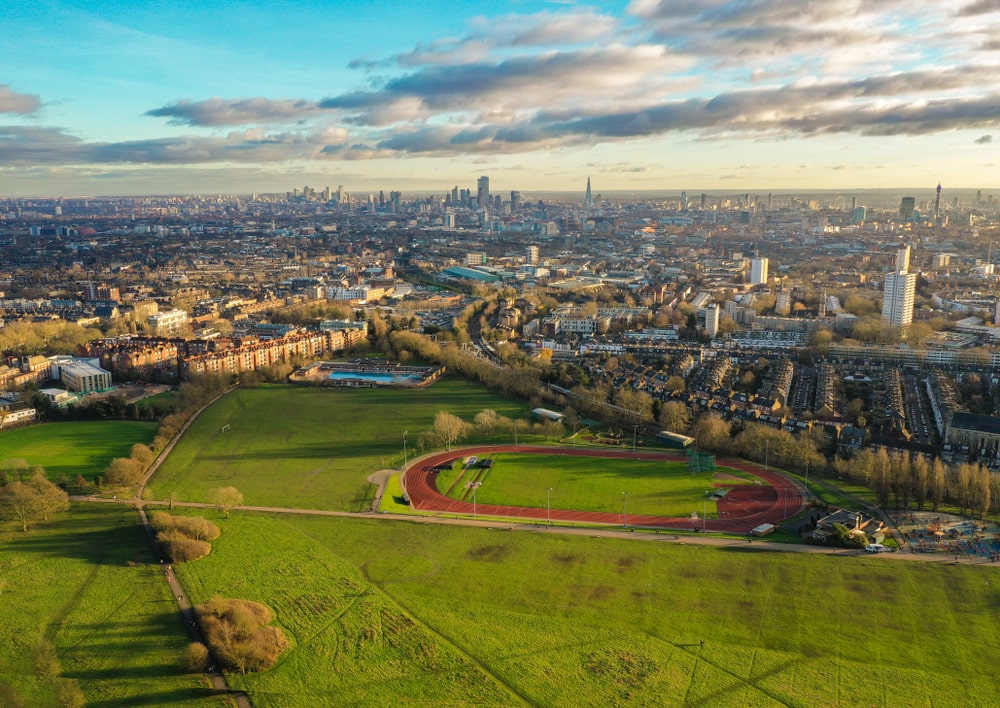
(935, 532)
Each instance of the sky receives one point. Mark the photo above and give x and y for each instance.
(124, 97)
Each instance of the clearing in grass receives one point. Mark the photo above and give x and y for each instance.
(384, 612)
(304, 447)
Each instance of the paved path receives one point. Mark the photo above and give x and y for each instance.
(657, 535)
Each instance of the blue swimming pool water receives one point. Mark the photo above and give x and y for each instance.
(374, 376)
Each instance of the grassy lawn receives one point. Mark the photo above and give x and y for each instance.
(311, 448)
(116, 630)
(75, 448)
(387, 613)
(589, 484)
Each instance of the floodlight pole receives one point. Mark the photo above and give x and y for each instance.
(767, 446)
(515, 432)
(625, 516)
(704, 514)
(635, 428)
(808, 495)
(475, 488)
(548, 506)
(404, 450)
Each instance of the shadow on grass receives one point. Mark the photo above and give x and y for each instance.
(738, 684)
(119, 540)
(180, 696)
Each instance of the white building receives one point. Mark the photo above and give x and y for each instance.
(903, 259)
(710, 317)
(758, 271)
(79, 374)
(169, 323)
(897, 298)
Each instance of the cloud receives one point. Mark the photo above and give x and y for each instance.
(984, 140)
(979, 7)
(242, 111)
(21, 103)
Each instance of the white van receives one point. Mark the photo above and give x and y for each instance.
(874, 548)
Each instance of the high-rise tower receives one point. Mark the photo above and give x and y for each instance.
(937, 203)
(483, 192)
(758, 271)
(897, 298)
(588, 200)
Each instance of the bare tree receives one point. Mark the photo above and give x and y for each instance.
(226, 498)
(449, 428)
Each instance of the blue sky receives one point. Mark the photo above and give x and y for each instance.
(134, 97)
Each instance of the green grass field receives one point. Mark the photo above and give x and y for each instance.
(384, 613)
(306, 447)
(116, 630)
(74, 448)
(590, 484)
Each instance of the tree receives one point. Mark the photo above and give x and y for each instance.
(938, 483)
(675, 416)
(920, 475)
(51, 499)
(123, 471)
(487, 421)
(226, 498)
(675, 384)
(711, 431)
(20, 503)
(449, 428)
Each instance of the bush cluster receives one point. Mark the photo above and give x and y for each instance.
(240, 634)
(183, 538)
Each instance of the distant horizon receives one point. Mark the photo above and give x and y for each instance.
(141, 98)
(692, 192)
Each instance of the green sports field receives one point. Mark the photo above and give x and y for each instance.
(592, 484)
(303, 447)
(384, 613)
(74, 448)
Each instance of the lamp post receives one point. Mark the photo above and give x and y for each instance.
(808, 495)
(475, 488)
(767, 446)
(404, 450)
(515, 432)
(635, 428)
(625, 515)
(548, 506)
(704, 515)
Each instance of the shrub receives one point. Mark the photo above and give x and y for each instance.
(196, 657)
(195, 527)
(179, 548)
(240, 634)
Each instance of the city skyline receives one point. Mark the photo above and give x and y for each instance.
(99, 99)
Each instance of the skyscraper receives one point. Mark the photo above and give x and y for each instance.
(937, 203)
(588, 200)
(758, 271)
(903, 259)
(515, 201)
(906, 208)
(483, 192)
(897, 298)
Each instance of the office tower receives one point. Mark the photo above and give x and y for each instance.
(588, 199)
(859, 214)
(483, 192)
(979, 197)
(515, 201)
(703, 198)
(340, 194)
(454, 195)
(897, 299)
(903, 259)
(532, 255)
(854, 203)
(498, 204)
(684, 201)
(758, 271)
(906, 208)
(449, 220)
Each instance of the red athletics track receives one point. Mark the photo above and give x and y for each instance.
(743, 508)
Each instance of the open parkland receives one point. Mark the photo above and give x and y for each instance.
(384, 609)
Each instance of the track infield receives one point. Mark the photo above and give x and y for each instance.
(744, 507)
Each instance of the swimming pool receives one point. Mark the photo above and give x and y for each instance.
(375, 377)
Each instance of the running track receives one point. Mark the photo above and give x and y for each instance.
(743, 508)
